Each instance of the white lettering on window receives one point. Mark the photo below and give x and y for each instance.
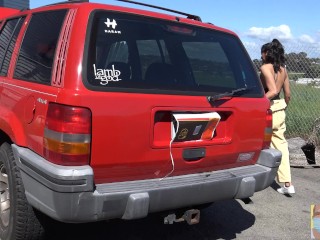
(113, 24)
(106, 75)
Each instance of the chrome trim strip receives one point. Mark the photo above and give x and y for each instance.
(29, 89)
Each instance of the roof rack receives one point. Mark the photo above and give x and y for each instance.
(190, 16)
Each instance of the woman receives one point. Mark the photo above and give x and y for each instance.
(274, 78)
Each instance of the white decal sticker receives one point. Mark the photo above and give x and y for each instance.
(42, 101)
(106, 75)
(113, 24)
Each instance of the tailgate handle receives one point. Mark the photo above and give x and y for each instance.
(194, 154)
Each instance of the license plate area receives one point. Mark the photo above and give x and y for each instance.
(194, 126)
(162, 129)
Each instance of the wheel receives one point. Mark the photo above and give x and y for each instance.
(17, 218)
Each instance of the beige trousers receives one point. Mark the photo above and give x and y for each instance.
(278, 140)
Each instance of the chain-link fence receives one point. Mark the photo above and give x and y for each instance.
(303, 113)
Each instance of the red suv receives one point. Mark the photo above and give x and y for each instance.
(110, 112)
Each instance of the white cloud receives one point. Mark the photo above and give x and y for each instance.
(306, 39)
(256, 37)
(281, 32)
(250, 44)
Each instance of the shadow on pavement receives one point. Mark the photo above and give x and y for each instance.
(275, 186)
(222, 220)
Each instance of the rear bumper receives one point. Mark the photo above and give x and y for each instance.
(68, 194)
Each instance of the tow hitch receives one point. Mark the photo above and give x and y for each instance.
(191, 216)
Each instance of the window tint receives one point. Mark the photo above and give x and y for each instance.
(209, 69)
(8, 38)
(118, 53)
(38, 47)
(151, 51)
(157, 55)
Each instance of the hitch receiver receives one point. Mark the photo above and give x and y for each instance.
(191, 216)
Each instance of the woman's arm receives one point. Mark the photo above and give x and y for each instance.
(267, 72)
(286, 89)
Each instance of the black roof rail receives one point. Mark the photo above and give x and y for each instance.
(190, 16)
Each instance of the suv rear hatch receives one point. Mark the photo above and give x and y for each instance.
(144, 70)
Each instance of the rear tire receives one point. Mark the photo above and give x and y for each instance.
(18, 220)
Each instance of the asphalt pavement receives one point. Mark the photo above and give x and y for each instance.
(270, 216)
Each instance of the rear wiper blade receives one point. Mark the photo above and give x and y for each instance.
(226, 94)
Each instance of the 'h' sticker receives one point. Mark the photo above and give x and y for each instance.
(112, 24)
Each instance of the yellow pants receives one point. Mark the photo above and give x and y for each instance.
(279, 142)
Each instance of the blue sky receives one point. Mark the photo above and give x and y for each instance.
(256, 22)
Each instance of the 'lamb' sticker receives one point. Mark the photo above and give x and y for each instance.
(111, 24)
(106, 75)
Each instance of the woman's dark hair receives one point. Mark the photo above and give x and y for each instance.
(274, 54)
(265, 47)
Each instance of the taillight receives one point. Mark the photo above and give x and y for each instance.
(67, 135)
(268, 130)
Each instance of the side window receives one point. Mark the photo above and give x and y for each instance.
(8, 38)
(37, 50)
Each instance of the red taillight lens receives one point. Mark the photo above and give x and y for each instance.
(67, 135)
(268, 130)
(68, 119)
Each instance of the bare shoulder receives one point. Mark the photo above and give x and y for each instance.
(267, 66)
(283, 71)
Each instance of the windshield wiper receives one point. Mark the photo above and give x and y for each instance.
(226, 94)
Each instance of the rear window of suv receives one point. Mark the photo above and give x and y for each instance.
(137, 54)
